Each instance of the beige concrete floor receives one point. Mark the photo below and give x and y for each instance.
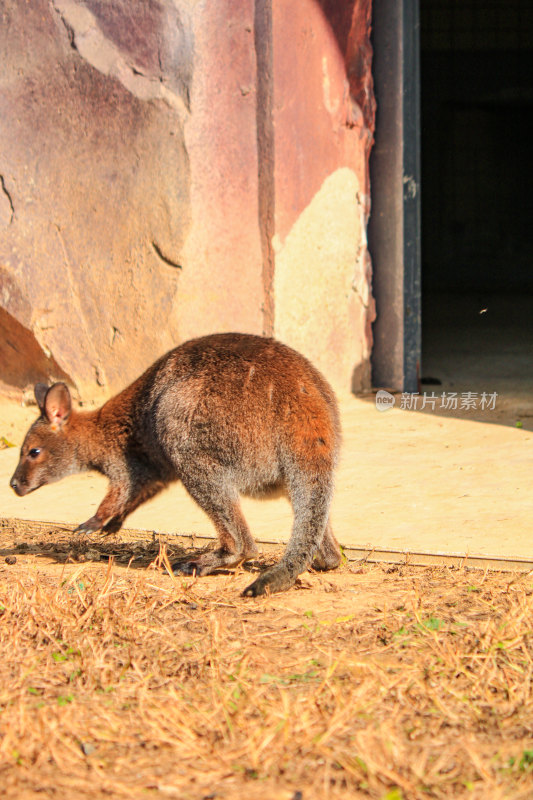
(408, 480)
(456, 481)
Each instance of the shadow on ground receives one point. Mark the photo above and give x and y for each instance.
(128, 548)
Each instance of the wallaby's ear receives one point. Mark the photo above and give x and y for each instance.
(39, 391)
(57, 405)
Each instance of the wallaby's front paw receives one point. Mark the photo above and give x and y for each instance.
(113, 526)
(91, 526)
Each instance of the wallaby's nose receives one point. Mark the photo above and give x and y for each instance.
(14, 484)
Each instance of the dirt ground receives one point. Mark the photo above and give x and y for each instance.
(389, 682)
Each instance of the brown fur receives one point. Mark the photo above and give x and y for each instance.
(226, 414)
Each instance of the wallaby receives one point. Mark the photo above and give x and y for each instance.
(225, 414)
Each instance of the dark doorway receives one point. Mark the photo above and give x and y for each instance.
(476, 59)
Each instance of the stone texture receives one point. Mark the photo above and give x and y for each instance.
(160, 161)
(98, 179)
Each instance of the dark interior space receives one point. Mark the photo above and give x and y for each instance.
(476, 67)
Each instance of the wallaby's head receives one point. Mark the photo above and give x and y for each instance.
(46, 454)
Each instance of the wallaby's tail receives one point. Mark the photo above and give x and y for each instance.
(311, 499)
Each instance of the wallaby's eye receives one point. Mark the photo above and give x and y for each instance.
(34, 452)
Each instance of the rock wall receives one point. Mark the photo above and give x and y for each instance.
(170, 168)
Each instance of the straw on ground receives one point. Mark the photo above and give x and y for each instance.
(369, 682)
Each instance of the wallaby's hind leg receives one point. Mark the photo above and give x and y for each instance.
(311, 497)
(222, 506)
(329, 553)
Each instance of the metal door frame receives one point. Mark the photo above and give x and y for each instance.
(394, 225)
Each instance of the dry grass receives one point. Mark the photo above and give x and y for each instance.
(368, 682)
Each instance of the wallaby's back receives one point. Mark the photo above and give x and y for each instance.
(248, 402)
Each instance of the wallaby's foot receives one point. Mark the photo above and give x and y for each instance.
(94, 525)
(208, 562)
(275, 579)
(329, 554)
(278, 578)
(91, 526)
